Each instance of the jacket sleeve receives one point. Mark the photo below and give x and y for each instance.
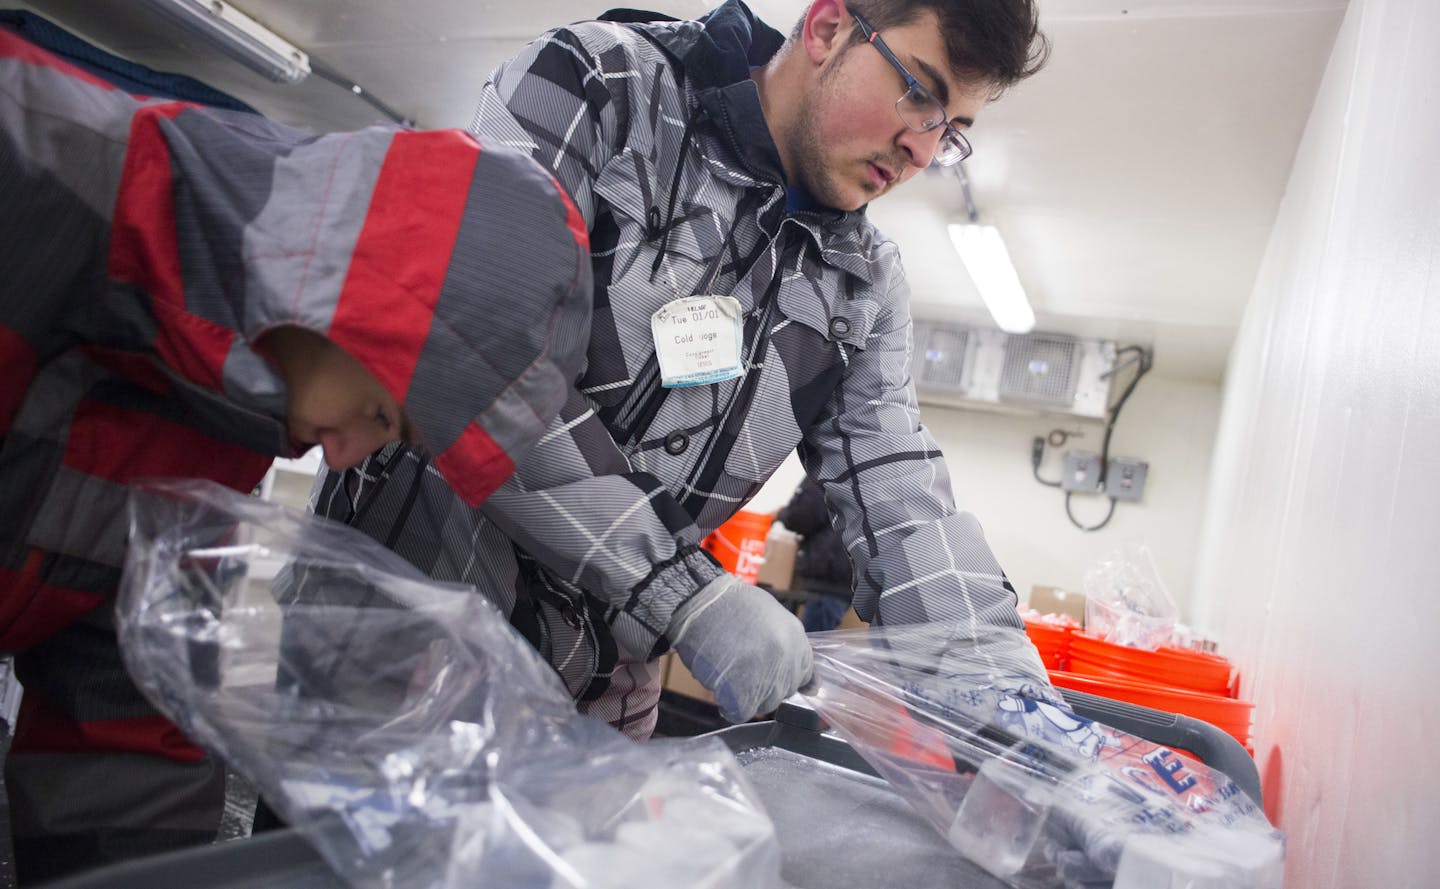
(555, 101)
(576, 503)
(917, 557)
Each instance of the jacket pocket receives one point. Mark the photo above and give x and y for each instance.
(571, 635)
(820, 304)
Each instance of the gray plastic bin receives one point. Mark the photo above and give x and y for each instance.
(827, 805)
(839, 825)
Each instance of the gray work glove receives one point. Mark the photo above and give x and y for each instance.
(743, 645)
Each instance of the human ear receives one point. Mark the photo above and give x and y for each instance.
(826, 29)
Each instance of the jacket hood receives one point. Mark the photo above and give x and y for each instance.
(398, 246)
(716, 54)
(718, 49)
(731, 41)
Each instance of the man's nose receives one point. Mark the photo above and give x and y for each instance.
(921, 147)
(347, 448)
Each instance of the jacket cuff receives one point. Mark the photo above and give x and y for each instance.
(642, 624)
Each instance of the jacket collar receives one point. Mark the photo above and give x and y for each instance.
(716, 54)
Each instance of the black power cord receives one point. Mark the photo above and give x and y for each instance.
(325, 72)
(1143, 360)
(1037, 454)
(1103, 522)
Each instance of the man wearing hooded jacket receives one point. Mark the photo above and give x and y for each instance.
(193, 292)
(722, 171)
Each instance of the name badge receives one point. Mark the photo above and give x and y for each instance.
(697, 340)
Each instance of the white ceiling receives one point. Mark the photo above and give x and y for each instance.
(1135, 178)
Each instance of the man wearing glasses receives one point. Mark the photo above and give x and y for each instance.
(744, 308)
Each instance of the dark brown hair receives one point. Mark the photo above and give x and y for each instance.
(992, 41)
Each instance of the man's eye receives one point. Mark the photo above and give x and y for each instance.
(924, 108)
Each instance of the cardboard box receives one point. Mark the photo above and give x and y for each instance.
(777, 571)
(1054, 600)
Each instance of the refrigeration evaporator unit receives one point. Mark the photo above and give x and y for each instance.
(963, 366)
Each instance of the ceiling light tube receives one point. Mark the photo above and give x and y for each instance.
(238, 36)
(988, 262)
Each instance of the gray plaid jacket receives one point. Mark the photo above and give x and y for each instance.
(656, 132)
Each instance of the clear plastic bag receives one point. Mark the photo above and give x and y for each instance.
(1127, 602)
(958, 724)
(403, 726)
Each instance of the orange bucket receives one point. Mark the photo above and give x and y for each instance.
(1227, 714)
(1052, 641)
(1175, 667)
(739, 544)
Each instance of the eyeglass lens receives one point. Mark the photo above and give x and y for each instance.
(922, 112)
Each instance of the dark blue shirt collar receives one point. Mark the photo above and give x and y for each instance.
(798, 199)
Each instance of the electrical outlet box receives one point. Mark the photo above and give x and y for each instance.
(1125, 478)
(1081, 474)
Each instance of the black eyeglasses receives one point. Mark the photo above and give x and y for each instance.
(918, 108)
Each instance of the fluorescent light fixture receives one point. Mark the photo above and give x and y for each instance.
(988, 262)
(238, 36)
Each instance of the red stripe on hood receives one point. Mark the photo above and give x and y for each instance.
(398, 267)
(144, 251)
(475, 465)
(13, 46)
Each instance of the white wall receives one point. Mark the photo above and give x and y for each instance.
(1320, 558)
(1169, 423)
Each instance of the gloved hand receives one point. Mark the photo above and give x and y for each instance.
(743, 645)
(941, 662)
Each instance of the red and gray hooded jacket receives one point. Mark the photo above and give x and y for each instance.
(144, 247)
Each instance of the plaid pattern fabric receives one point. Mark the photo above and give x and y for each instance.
(144, 246)
(147, 245)
(600, 523)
